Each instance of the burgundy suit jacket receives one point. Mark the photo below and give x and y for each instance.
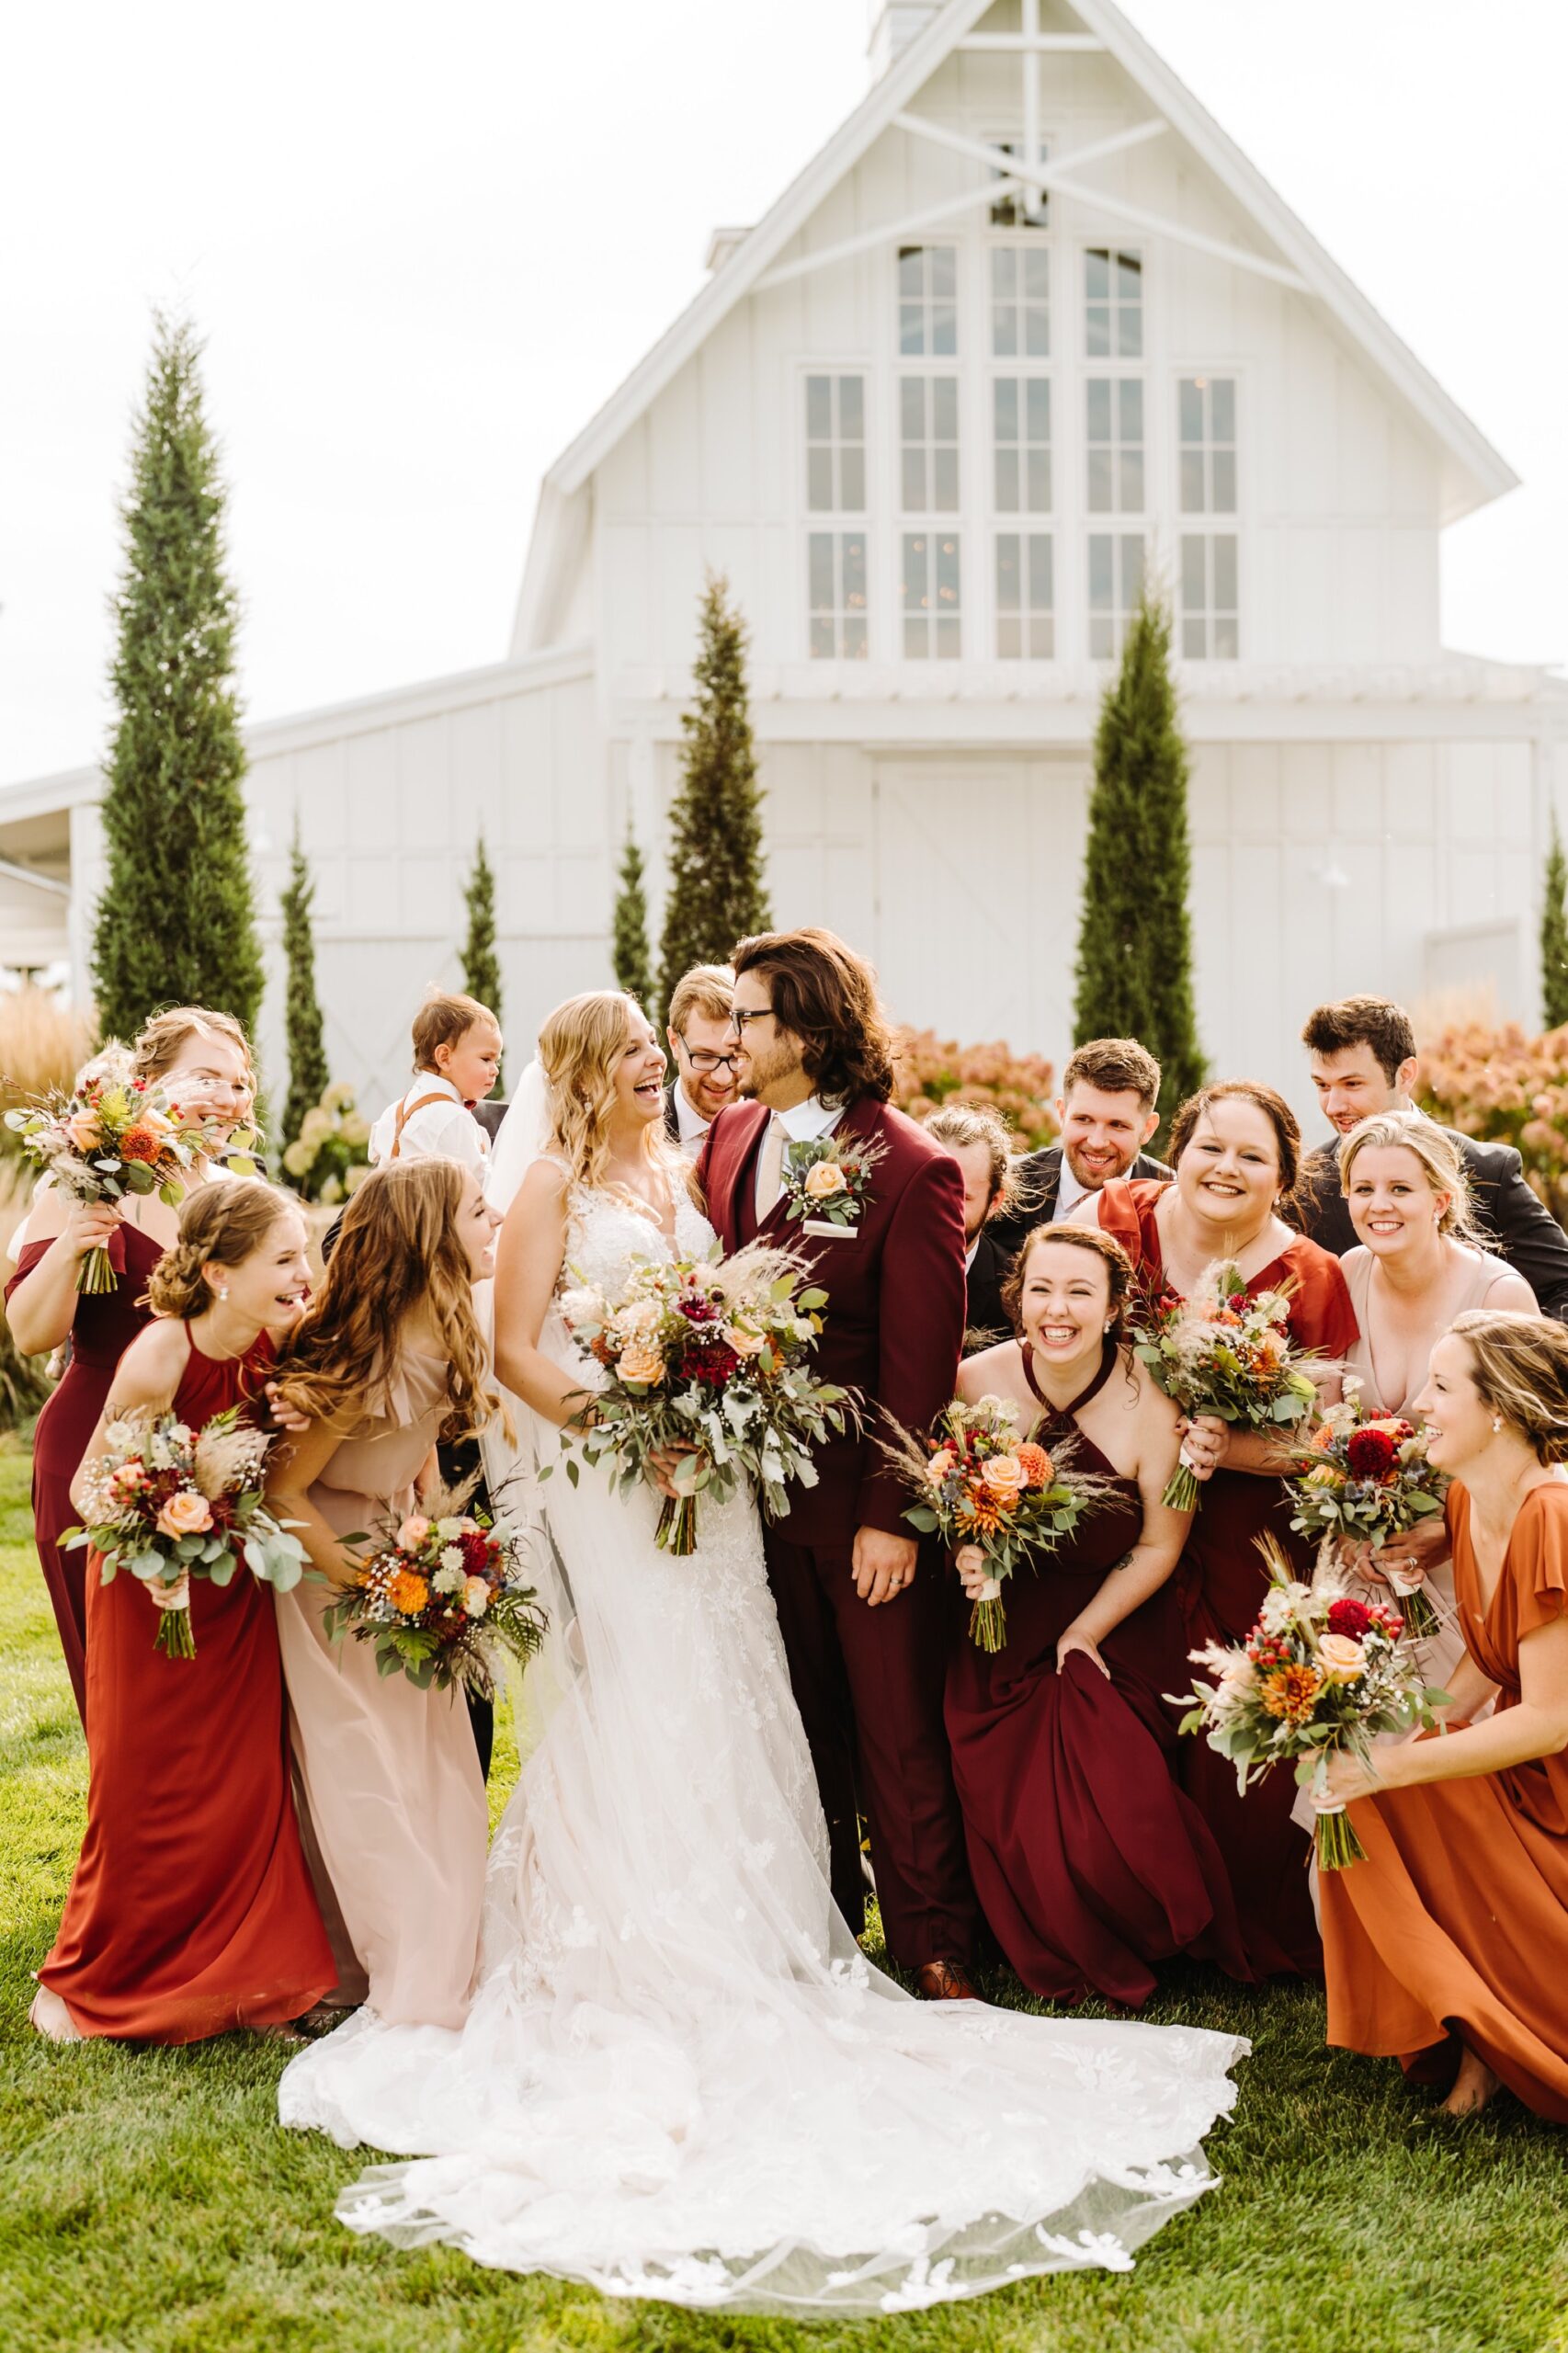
(894, 1319)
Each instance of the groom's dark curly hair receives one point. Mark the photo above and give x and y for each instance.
(825, 995)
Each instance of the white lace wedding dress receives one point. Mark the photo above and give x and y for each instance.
(680, 2077)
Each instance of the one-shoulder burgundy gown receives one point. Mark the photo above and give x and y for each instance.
(104, 1327)
(191, 1910)
(1091, 1864)
(1221, 1584)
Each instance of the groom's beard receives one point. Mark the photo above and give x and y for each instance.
(770, 1065)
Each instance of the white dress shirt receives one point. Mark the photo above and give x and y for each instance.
(690, 1126)
(969, 1256)
(1069, 1193)
(443, 1131)
(801, 1123)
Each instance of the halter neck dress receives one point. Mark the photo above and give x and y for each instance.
(190, 1911)
(1221, 1584)
(1091, 1863)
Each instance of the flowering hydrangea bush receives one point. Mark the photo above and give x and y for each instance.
(929, 1071)
(1320, 1675)
(330, 1157)
(1499, 1084)
(437, 1593)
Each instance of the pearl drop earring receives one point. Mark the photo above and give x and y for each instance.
(1496, 1421)
(222, 1291)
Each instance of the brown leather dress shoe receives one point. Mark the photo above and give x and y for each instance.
(944, 1981)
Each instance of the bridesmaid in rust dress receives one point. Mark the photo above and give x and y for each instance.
(1091, 1864)
(1447, 1947)
(1236, 1148)
(191, 1910)
(205, 1057)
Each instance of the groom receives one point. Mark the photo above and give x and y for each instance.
(864, 1619)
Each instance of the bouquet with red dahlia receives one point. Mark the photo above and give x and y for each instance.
(169, 1503)
(114, 1136)
(1318, 1674)
(977, 1482)
(1226, 1353)
(1366, 1479)
(706, 1361)
(437, 1592)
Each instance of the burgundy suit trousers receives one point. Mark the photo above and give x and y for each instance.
(868, 1684)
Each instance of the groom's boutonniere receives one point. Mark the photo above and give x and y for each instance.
(828, 1181)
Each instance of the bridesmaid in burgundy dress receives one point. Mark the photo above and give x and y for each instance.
(1236, 1147)
(1090, 1863)
(191, 1910)
(205, 1056)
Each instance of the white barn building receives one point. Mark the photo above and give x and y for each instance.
(1028, 327)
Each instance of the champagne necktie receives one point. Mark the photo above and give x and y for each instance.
(771, 1167)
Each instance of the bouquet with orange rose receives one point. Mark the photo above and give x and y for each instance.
(1366, 1479)
(706, 1361)
(977, 1482)
(168, 1503)
(116, 1135)
(1223, 1352)
(438, 1591)
(1320, 1674)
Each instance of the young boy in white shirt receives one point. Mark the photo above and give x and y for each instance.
(457, 1053)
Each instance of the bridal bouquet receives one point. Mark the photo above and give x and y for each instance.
(1318, 1675)
(978, 1483)
(707, 1358)
(1366, 1479)
(1224, 1353)
(114, 1136)
(438, 1590)
(169, 1503)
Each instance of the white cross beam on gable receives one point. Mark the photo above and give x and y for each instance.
(1014, 177)
(1058, 176)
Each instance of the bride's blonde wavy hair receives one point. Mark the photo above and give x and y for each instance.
(580, 1048)
(397, 1247)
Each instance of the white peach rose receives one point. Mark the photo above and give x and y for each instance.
(1340, 1658)
(185, 1514)
(823, 1179)
(412, 1532)
(1004, 1474)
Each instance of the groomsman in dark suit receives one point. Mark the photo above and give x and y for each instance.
(979, 1142)
(1363, 1063)
(1107, 1107)
(703, 1053)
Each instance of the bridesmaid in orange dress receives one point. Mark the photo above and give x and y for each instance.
(204, 1059)
(1235, 1148)
(1448, 1946)
(390, 1351)
(191, 1910)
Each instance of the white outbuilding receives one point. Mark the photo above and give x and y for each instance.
(1027, 330)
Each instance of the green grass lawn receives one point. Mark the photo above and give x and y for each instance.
(151, 2203)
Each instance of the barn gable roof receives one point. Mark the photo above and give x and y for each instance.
(1473, 474)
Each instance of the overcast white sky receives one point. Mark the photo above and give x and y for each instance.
(425, 241)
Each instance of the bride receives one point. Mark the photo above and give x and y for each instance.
(679, 2076)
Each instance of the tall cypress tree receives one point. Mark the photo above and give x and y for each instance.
(630, 951)
(308, 1072)
(717, 893)
(1134, 969)
(481, 960)
(1554, 935)
(176, 921)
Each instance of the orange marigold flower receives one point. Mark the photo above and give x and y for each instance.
(1291, 1692)
(408, 1594)
(139, 1144)
(1036, 1464)
(984, 1512)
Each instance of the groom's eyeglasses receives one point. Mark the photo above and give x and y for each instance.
(703, 1063)
(740, 1022)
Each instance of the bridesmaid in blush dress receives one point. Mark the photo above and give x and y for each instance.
(1091, 1864)
(204, 1056)
(1236, 1148)
(191, 1910)
(390, 1351)
(1446, 1945)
